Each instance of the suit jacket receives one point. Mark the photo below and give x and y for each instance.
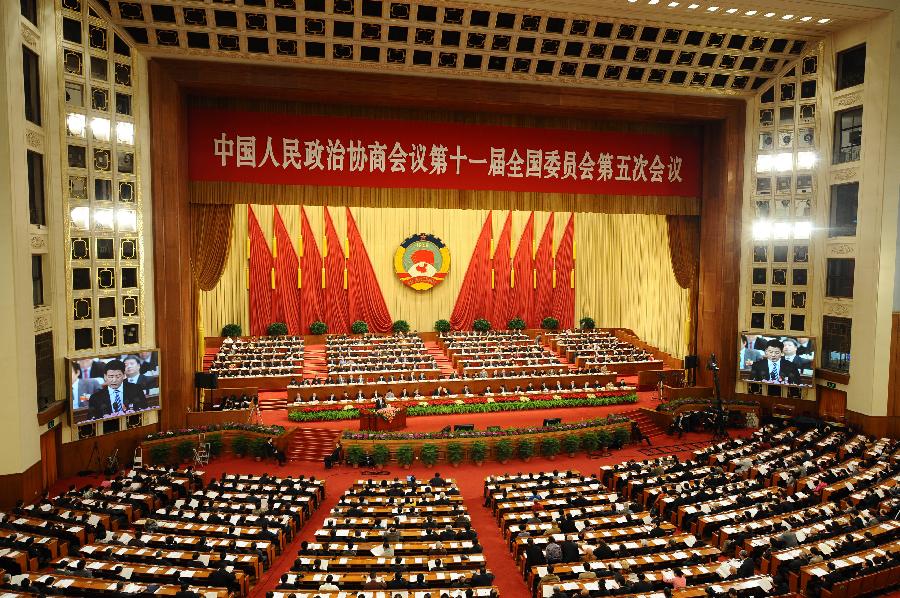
(786, 370)
(132, 398)
(749, 353)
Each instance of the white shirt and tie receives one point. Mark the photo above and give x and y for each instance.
(774, 367)
(115, 399)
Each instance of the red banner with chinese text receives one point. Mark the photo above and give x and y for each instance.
(289, 149)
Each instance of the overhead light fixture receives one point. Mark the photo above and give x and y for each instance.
(783, 162)
(787, 17)
(806, 160)
(653, 2)
(693, 6)
(750, 13)
(81, 217)
(127, 221)
(802, 230)
(823, 21)
(103, 219)
(764, 162)
(100, 128)
(762, 230)
(731, 11)
(781, 230)
(712, 9)
(673, 4)
(769, 15)
(805, 19)
(75, 124)
(125, 133)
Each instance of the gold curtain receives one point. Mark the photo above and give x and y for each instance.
(211, 232)
(624, 278)
(684, 248)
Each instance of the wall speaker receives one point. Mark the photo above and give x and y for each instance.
(206, 380)
(691, 361)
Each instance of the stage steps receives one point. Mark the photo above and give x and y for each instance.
(271, 400)
(648, 428)
(440, 358)
(312, 444)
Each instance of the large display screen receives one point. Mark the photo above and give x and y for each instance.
(784, 360)
(107, 387)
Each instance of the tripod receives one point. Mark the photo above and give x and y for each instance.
(719, 433)
(255, 416)
(95, 456)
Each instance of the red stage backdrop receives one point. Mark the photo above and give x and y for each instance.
(289, 149)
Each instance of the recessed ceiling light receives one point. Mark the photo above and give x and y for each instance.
(713, 8)
(769, 15)
(750, 13)
(731, 11)
(653, 2)
(823, 21)
(787, 17)
(805, 19)
(673, 4)
(693, 6)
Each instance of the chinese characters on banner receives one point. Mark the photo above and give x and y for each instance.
(288, 149)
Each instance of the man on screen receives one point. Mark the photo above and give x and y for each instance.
(748, 355)
(791, 354)
(134, 375)
(118, 396)
(773, 367)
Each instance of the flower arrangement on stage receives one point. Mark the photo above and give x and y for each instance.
(258, 428)
(451, 406)
(388, 413)
(588, 423)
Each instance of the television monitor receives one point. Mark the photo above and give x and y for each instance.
(780, 360)
(111, 386)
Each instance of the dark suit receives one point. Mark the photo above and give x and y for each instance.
(132, 398)
(786, 371)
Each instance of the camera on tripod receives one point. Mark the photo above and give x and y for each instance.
(712, 365)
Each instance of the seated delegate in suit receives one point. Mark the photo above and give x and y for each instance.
(791, 354)
(774, 367)
(118, 395)
(134, 375)
(748, 355)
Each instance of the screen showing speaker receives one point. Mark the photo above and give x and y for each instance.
(101, 388)
(781, 360)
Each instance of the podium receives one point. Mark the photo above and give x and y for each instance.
(369, 420)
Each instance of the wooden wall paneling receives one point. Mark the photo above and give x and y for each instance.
(50, 444)
(720, 242)
(77, 455)
(25, 486)
(893, 398)
(831, 402)
(174, 287)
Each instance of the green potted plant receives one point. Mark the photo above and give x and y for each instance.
(405, 456)
(570, 444)
(429, 454)
(159, 453)
(455, 453)
(258, 448)
(318, 327)
(442, 326)
(604, 439)
(550, 323)
(550, 447)
(277, 329)
(587, 323)
(184, 450)
(215, 445)
(525, 449)
(359, 327)
(503, 450)
(516, 323)
(589, 442)
(478, 451)
(240, 445)
(620, 436)
(481, 325)
(400, 326)
(355, 455)
(381, 454)
(231, 330)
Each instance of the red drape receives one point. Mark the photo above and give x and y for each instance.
(334, 294)
(260, 277)
(523, 266)
(474, 298)
(286, 264)
(366, 300)
(501, 312)
(542, 298)
(311, 277)
(564, 293)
